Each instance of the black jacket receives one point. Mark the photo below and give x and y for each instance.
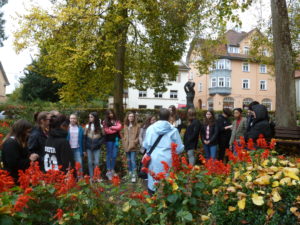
(57, 151)
(191, 135)
(213, 134)
(222, 122)
(14, 157)
(36, 141)
(260, 124)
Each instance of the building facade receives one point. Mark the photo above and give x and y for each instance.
(234, 80)
(3, 83)
(149, 99)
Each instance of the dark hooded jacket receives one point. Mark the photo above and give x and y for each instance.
(36, 144)
(191, 135)
(58, 151)
(14, 157)
(260, 125)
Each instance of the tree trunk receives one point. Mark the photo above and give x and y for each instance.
(120, 66)
(284, 66)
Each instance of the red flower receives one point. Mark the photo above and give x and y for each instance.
(175, 158)
(265, 154)
(116, 180)
(87, 179)
(217, 167)
(166, 166)
(261, 141)
(77, 168)
(97, 173)
(272, 144)
(250, 144)
(33, 175)
(281, 157)
(28, 190)
(67, 184)
(242, 141)
(59, 214)
(136, 195)
(298, 160)
(202, 159)
(21, 203)
(6, 181)
(159, 176)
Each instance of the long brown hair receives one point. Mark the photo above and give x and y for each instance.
(107, 119)
(19, 131)
(126, 120)
(147, 122)
(210, 121)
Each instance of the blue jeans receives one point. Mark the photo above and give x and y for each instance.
(111, 155)
(210, 151)
(131, 161)
(93, 160)
(77, 156)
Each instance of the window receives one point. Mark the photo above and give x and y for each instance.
(142, 94)
(246, 67)
(228, 102)
(221, 64)
(246, 102)
(221, 82)
(191, 75)
(210, 103)
(200, 87)
(158, 94)
(213, 82)
(246, 50)
(246, 84)
(262, 68)
(268, 103)
(228, 82)
(263, 85)
(142, 107)
(265, 52)
(173, 94)
(158, 107)
(232, 49)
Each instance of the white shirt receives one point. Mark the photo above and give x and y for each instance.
(74, 133)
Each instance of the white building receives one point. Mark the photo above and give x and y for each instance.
(175, 94)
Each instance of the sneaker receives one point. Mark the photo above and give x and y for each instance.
(109, 175)
(133, 179)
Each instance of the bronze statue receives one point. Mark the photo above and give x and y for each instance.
(190, 94)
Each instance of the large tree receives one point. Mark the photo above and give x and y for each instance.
(96, 47)
(2, 22)
(284, 65)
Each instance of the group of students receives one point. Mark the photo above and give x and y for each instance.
(220, 134)
(57, 141)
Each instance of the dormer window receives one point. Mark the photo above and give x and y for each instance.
(233, 49)
(246, 50)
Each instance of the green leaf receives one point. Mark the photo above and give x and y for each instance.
(172, 198)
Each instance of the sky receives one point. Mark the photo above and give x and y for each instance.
(14, 63)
